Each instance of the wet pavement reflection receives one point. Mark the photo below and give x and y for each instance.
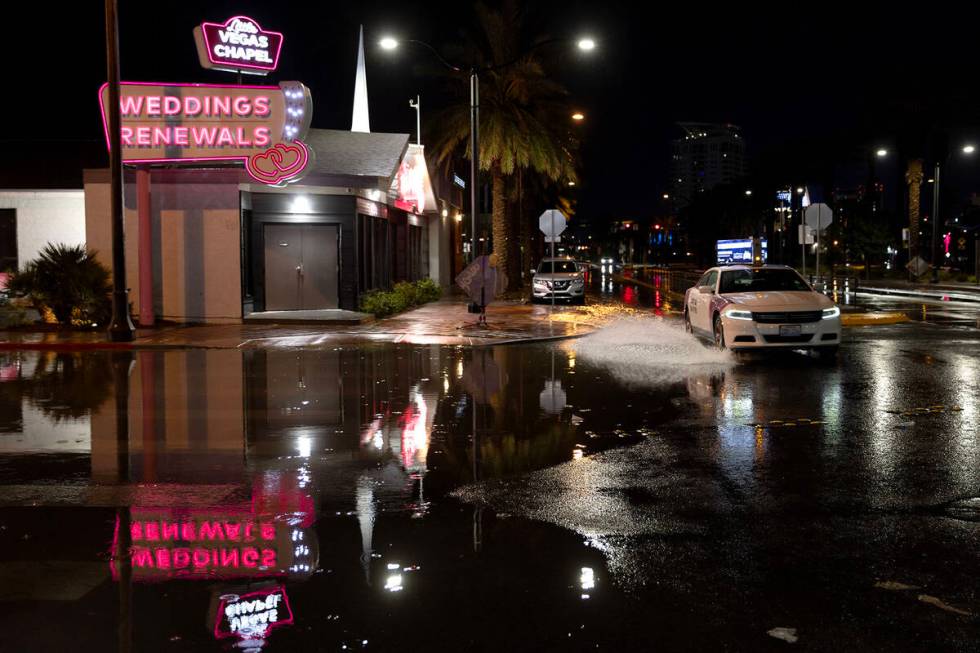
(630, 490)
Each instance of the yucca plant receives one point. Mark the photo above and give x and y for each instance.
(67, 280)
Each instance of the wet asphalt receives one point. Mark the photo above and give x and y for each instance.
(632, 492)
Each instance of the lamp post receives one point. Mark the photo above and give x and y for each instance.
(121, 328)
(966, 149)
(389, 43)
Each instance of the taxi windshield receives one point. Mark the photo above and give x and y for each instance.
(761, 280)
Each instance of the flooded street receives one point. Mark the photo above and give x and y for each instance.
(627, 490)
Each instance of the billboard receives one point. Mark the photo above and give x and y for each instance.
(739, 251)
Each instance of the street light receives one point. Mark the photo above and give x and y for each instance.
(571, 183)
(586, 44)
(966, 149)
(578, 116)
(388, 43)
(748, 193)
(881, 152)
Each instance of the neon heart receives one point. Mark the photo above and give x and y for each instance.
(278, 164)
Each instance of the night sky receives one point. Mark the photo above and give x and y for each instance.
(810, 83)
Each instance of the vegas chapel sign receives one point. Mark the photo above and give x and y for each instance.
(238, 45)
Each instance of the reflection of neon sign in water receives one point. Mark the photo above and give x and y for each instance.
(201, 545)
(252, 615)
(415, 433)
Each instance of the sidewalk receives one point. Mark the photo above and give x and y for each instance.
(445, 322)
(946, 292)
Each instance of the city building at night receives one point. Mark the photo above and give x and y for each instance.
(704, 156)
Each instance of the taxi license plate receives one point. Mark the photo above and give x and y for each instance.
(790, 329)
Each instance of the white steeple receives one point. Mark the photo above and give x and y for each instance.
(360, 121)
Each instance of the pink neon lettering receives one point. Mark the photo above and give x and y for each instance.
(260, 106)
(181, 558)
(268, 558)
(203, 135)
(249, 527)
(126, 135)
(152, 531)
(188, 532)
(229, 558)
(192, 106)
(143, 138)
(220, 105)
(250, 557)
(268, 530)
(242, 106)
(212, 531)
(233, 531)
(163, 558)
(262, 137)
(131, 105)
(153, 105)
(161, 136)
(225, 137)
(171, 105)
(180, 136)
(136, 528)
(141, 557)
(170, 531)
(201, 557)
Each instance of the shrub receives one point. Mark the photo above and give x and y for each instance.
(428, 291)
(67, 281)
(404, 295)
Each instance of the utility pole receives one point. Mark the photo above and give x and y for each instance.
(475, 151)
(121, 329)
(935, 226)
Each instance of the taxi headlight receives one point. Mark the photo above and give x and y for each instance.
(736, 314)
(829, 313)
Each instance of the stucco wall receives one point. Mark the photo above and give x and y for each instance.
(196, 246)
(45, 216)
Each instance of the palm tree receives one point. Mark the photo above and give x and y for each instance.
(522, 112)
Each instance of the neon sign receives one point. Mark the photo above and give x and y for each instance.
(238, 45)
(260, 127)
(252, 615)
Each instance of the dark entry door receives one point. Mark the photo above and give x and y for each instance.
(300, 267)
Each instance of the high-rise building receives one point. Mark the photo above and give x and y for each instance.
(706, 155)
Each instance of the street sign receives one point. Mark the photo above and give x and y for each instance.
(818, 215)
(552, 222)
(552, 239)
(804, 235)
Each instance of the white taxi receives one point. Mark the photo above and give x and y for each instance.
(742, 307)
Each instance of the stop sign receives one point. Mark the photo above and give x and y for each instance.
(552, 222)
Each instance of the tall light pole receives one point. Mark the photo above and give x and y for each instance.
(389, 43)
(966, 149)
(121, 328)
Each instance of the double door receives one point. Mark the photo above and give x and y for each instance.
(300, 267)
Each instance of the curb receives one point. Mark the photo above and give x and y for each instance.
(872, 319)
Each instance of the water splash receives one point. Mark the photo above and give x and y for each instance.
(649, 351)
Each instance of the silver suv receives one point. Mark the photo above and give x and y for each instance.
(562, 278)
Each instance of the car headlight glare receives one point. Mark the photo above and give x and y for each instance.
(830, 313)
(736, 314)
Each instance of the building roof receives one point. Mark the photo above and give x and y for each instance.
(357, 159)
